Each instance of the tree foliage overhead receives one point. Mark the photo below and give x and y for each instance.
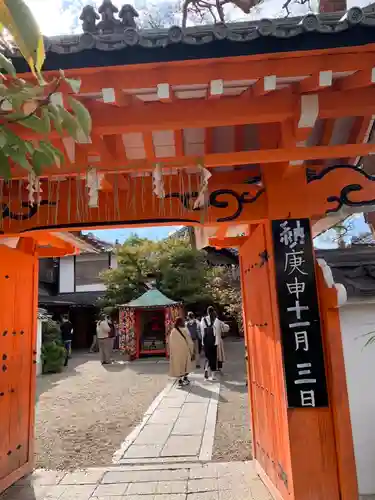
(225, 289)
(136, 262)
(30, 105)
(182, 272)
(178, 271)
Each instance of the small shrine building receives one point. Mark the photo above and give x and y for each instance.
(146, 322)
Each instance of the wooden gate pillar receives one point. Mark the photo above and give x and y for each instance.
(293, 389)
(18, 324)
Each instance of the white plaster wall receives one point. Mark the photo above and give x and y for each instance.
(66, 275)
(39, 348)
(358, 319)
(114, 263)
(94, 287)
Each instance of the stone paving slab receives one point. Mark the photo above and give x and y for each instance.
(180, 425)
(219, 481)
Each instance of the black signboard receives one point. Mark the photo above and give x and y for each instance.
(299, 314)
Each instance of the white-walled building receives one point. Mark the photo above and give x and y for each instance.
(354, 268)
(72, 284)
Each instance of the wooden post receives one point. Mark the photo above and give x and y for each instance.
(303, 451)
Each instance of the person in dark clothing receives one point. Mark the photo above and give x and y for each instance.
(194, 329)
(66, 329)
(209, 343)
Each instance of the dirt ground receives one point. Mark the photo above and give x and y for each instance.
(84, 414)
(232, 437)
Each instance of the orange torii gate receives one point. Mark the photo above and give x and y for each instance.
(213, 126)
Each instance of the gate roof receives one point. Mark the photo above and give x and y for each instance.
(297, 93)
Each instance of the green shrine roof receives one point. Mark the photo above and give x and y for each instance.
(151, 298)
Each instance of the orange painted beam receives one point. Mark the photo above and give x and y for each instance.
(230, 203)
(26, 244)
(109, 119)
(220, 159)
(148, 143)
(183, 113)
(327, 133)
(179, 142)
(229, 242)
(221, 232)
(124, 99)
(264, 85)
(208, 140)
(298, 63)
(352, 103)
(52, 240)
(115, 146)
(357, 80)
(288, 133)
(318, 81)
(275, 107)
(239, 138)
(360, 133)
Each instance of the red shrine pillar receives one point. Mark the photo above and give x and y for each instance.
(302, 439)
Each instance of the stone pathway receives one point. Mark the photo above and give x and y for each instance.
(166, 457)
(213, 481)
(179, 426)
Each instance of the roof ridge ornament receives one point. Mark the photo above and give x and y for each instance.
(108, 24)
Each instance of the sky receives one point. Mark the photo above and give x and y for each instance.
(152, 233)
(58, 17)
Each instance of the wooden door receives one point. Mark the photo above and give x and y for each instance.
(265, 370)
(18, 315)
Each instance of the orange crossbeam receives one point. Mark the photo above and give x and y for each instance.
(275, 107)
(232, 68)
(357, 80)
(224, 159)
(229, 242)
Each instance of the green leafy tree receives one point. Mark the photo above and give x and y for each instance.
(183, 272)
(225, 290)
(179, 271)
(136, 261)
(29, 105)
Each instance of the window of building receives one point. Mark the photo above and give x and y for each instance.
(89, 267)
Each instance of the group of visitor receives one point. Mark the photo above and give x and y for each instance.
(186, 342)
(188, 338)
(106, 338)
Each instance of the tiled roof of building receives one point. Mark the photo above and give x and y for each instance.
(71, 299)
(101, 47)
(151, 298)
(353, 267)
(94, 241)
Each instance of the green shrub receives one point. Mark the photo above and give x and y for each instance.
(53, 357)
(53, 351)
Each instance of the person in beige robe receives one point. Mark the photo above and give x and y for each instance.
(181, 353)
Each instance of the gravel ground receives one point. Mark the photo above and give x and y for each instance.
(84, 414)
(232, 437)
